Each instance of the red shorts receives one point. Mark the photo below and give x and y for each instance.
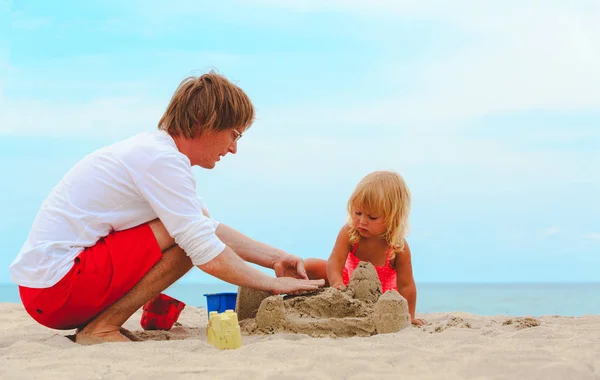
(100, 276)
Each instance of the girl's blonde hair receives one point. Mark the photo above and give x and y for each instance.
(383, 193)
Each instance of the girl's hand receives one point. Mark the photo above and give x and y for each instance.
(417, 321)
(339, 286)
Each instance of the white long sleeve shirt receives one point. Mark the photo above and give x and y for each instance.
(115, 188)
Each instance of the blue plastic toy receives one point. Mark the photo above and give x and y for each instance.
(220, 302)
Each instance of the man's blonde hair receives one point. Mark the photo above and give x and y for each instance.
(209, 103)
(383, 193)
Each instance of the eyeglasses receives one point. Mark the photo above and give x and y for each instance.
(238, 135)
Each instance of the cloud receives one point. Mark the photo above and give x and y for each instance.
(100, 117)
(542, 59)
(372, 7)
(593, 236)
(503, 57)
(552, 231)
(442, 164)
(30, 23)
(458, 9)
(280, 143)
(539, 58)
(548, 64)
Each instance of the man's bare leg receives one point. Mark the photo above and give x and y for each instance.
(106, 326)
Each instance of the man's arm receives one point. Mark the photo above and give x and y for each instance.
(168, 186)
(284, 264)
(229, 267)
(247, 248)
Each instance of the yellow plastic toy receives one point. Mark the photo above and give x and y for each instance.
(223, 330)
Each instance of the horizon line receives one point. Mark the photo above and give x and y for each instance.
(418, 283)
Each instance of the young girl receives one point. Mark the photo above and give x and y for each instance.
(377, 224)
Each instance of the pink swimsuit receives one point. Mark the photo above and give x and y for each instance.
(386, 273)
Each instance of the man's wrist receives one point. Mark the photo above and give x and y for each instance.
(278, 254)
(271, 285)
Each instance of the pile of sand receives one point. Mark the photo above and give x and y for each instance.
(358, 310)
(453, 345)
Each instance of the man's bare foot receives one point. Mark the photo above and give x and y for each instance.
(87, 336)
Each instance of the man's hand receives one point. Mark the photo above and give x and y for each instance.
(287, 285)
(290, 266)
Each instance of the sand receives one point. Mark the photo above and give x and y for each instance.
(454, 346)
(358, 310)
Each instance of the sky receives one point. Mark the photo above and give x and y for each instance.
(490, 111)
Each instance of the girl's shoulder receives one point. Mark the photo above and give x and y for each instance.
(346, 236)
(401, 256)
(344, 232)
(401, 249)
(343, 238)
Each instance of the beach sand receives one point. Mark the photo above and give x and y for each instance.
(453, 346)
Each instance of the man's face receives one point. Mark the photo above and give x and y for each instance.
(209, 147)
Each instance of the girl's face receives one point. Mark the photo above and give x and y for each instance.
(368, 224)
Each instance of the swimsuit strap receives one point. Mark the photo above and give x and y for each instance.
(388, 257)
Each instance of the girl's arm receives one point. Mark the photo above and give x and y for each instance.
(406, 282)
(337, 259)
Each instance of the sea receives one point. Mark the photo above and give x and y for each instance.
(535, 299)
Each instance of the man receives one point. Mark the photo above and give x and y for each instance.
(125, 222)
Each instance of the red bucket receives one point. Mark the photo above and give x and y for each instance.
(161, 313)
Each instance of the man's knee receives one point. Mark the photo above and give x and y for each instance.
(164, 240)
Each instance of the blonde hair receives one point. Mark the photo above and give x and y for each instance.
(383, 193)
(206, 103)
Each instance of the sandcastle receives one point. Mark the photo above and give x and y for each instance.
(358, 310)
